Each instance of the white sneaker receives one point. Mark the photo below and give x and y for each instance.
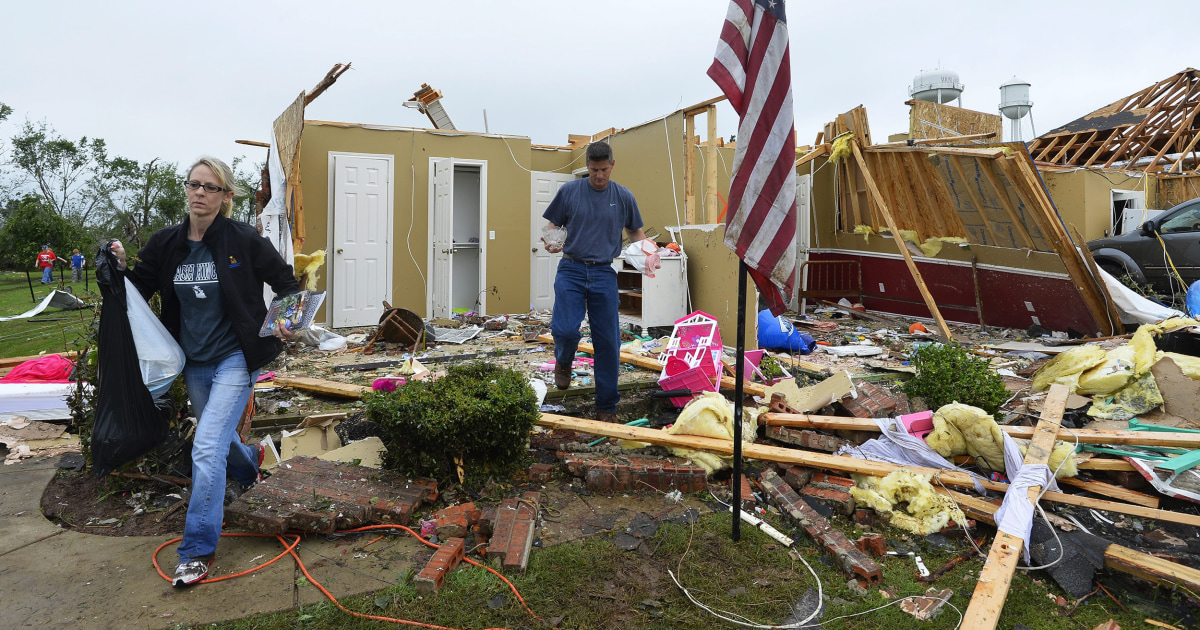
(190, 572)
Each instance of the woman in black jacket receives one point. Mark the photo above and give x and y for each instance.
(210, 271)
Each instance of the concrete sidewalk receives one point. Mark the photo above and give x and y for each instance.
(56, 578)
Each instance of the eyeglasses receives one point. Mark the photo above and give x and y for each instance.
(210, 188)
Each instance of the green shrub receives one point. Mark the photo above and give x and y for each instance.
(479, 413)
(947, 373)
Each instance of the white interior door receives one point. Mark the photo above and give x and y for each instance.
(1128, 209)
(361, 238)
(803, 225)
(441, 225)
(542, 264)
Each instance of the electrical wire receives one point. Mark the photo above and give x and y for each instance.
(290, 549)
(1037, 502)
(412, 216)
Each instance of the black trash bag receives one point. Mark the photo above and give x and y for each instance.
(128, 424)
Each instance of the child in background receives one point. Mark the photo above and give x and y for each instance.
(77, 262)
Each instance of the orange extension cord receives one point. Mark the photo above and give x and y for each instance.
(290, 549)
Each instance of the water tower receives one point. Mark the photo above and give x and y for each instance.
(937, 86)
(1015, 105)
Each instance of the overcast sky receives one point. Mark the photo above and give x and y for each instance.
(175, 80)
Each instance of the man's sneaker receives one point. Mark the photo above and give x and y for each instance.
(562, 375)
(190, 572)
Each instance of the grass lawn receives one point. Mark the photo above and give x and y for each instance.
(52, 330)
(592, 584)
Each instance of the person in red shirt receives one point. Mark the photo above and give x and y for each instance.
(45, 261)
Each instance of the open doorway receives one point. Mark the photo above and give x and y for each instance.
(1128, 208)
(458, 238)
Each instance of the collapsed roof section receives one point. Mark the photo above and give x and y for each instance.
(1154, 129)
(923, 194)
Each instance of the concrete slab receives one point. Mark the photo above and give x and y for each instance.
(54, 578)
(21, 519)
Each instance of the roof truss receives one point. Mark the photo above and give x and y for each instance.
(1155, 129)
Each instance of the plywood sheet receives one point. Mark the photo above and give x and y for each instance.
(932, 120)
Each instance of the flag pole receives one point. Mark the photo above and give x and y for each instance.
(738, 396)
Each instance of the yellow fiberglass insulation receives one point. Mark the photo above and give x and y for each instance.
(1140, 396)
(711, 415)
(865, 230)
(978, 435)
(307, 265)
(1188, 364)
(907, 501)
(1062, 450)
(1145, 351)
(1068, 366)
(1112, 374)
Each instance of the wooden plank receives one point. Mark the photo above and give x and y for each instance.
(1085, 436)
(1185, 124)
(703, 105)
(963, 151)
(839, 463)
(912, 266)
(820, 150)
(852, 187)
(1109, 490)
(1049, 147)
(945, 205)
(968, 184)
(1158, 107)
(254, 143)
(711, 207)
(1067, 147)
(902, 181)
(10, 362)
(1106, 463)
(322, 386)
(996, 575)
(689, 170)
(1002, 193)
(1083, 147)
(1116, 557)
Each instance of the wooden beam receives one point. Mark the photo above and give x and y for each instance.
(1109, 490)
(1049, 147)
(821, 149)
(1067, 147)
(996, 576)
(703, 105)
(932, 208)
(1083, 147)
(1185, 124)
(253, 143)
(1178, 165)
(689, 170)
(1085, 436)
(322, 386)
(711, 209)
(852, 186)
(912, 266)
(839, 463)
(326, 81)
(1116, 557)
(1114, 314)
(964, 151)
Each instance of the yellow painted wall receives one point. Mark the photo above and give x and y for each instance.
(712, 277)
(1084, 197)
(508, 204)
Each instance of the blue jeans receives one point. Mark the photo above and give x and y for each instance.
(47, 275)
(579, 288)
(219, 392)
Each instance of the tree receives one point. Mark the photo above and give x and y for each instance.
(244, 206)
(7, 185)
(149, 197)
(74, 178)
(28, 224)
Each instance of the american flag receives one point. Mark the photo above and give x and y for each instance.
(753, 68)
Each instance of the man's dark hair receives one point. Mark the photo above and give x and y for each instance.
(599, 152)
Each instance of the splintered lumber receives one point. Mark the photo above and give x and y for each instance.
(840, 463)
(912, 266)
(1109, 490)
(727, 382)
(996, 575)
(1085, 436)
(322, 386)
(1116, 557)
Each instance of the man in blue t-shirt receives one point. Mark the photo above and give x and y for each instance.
(594, 212)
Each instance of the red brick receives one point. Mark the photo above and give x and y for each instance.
(804, 438)
(831, 482)
(747, 493)
(516, 520)
(1127, 479)
(797, 476)
(864, 517)
(841, 502)
(872, 402)
(871, 544)
(429, 580)
(636, 472)
(929, 606)
(845, 554)
(540, 473)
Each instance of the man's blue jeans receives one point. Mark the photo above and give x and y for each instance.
(219, 392)
(580, 288)
(47, 275)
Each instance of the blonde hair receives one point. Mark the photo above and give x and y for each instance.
(224, 175)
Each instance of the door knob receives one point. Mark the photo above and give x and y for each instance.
(534, 250)
(445, 251)
(339, 250)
